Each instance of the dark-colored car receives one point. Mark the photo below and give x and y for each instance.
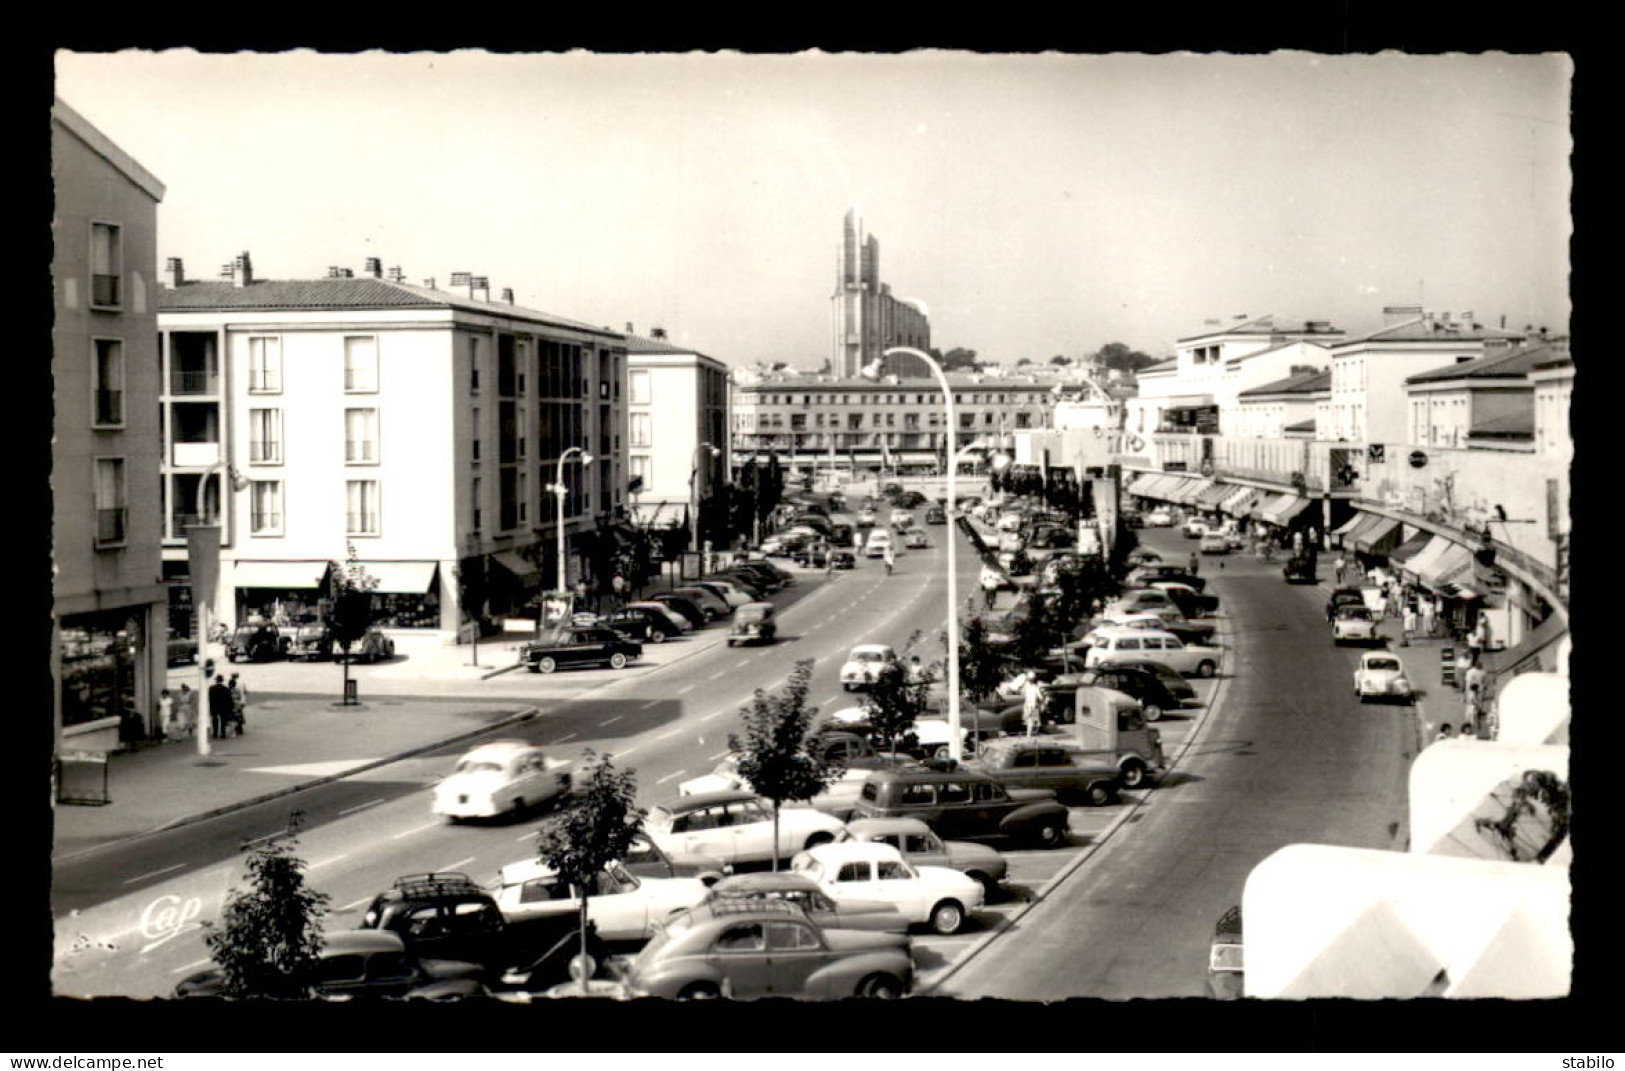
(710, 603)
(750, 583)
(310, 640)
(843, 559)
(1037, 762)
(181, 650)
(685, 607)
(581, 647)
(812, 556)
(770, 574)
(369, 963)
(1300, 569)
(753, 623)
(1177, 685)
(1342, 597)
(1191, 602)
(642, 625)
(936, 515)
(1150, 572)
(963, 805)
(1140, 683)
(256, 643)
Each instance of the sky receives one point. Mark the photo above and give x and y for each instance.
(1035, 204)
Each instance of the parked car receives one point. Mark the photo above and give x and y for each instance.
(1381, 676)
(1215, 543)
(1159, 518)
(1225, 963)
(733, 596)
(1300, 569)
(963, 805)
(1191, 603)
(1152, 692)
(256, 643)
(851, 748)
(754, 623)
(1195, 528)
(812, 556)
(642, 623)
(932, 896)
(1354, 624)
(916, 539)
(712, 605)
(180, 650)
(843, 559)
(922, 847)
(581, 647)
(1195, 632)
(309, 639)
(736, 827)
(672, 617)
(1341, 597)
(758, 572)
(936, 515)
(829, 914)
(499, 777)
(864, 664)
(1142, 556)
(687, 607)
(867, 517)
(621, 908)
(1143, 576)
(766, 949)
(786, 543)
(356, 964)
(646, 859)
(1117, 645)
(753, 586)
(373, 646)
(1040, 762)
(878, 543)
(1171, 679)
(1144, 600)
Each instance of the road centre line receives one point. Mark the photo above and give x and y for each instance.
(565, 739)
(668, 777)
(454, 866)
(611, 721)
(684, 689)
(416, 829)
(713, 714)
(668, 734)
(646, 706)
(719, 755)
(332, 859)
(154, 874)
(362, 806)
(196, 965)
(353, 904)
(719, 674)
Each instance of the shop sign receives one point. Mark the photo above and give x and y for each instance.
(1418, 459)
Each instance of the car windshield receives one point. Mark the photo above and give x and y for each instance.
(472, 766)
(1382, 663)
(867, 656)
(659, 818)
(1354, 613)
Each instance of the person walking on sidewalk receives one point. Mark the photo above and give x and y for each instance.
(891, 559)
(1408, 624)
(1428, 619)
(1196, 563)
(239, 704)
(220, 701)
(1338, 568)
(186, 709)
(618, 586)
(990, 587)
(168, 728)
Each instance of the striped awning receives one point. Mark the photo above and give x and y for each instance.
(1213, 495)
(1142, 484)
(1241, 502)
(1188, 490)
(1351, 524)
(1374, 535)
(401, 578)
(1410, 548)
(1536, 652)
(1281, 509)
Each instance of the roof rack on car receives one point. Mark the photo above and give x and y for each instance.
(724, 904)
(432, 884)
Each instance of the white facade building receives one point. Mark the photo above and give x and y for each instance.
(677, 403)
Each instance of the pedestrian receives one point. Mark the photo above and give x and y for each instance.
(1196, 563)
(891, 559)
(916, 670)
(618, 586)
(1475, 642)
(186, 708)
(130, 730)
(1338, 567)
(1032, 704)
(168, 728)
(1408, 625)
(219, 705)
(1428, 620)
(239, 704)
(990, 587)
(1444, 732)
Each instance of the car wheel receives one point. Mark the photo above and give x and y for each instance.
(730, 643)
(1206, 668)
(818, 838)
(1050, 835)
(545, 665)
(518, 804)
(845, 687)
(583, 966)
(989, 886)
(1152, 711)
(1099, 794)
(1134, 772)
(617, 661)
(947, 918)
(943, 752)
(880, 987)
(657, 635)
(699, 991)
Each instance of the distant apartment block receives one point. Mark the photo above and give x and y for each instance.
(677, 405)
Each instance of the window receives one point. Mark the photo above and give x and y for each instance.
(474, 497)
(265, 436)
(106, 265)
(361, 364)
(265, 507)
(853, 872)
(640, 429)
(894, 870)
(638, 467)
(361, 436)
(790, 935)
(745, 938)
(264, 365)
(110, 501)
(474, 366)
(640, 387)
(474, 447)
(952, 792)
(108, 370)
(361, 507)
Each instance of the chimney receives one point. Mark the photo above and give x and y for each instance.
(507, 294)
(1467, 320)
(1398, 314)
(657, 332)
(481, 283)
(396, 275)
(429, 283)
(335, 272)
(175, 274)
(242, 270)
(375, 267)
(460, 278)
(629, 328)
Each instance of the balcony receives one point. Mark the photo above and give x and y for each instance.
(105, 291)
(109, 526)
(186, 381)
(194, 455)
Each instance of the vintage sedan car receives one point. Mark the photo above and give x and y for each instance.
(691, 612)
(309, 640)
(710, 603)
(878, 543)
(902, 519)
(866, 870)
(1159, 518)
(785, 544)
(843, 559)
(1154, 693)
(498, 777)
(752, 586)
(373, 646)
(798, 889)
(581, 647)
(766, 949)
(964, 805)
(1195, 528)
(916, 539)
(1039, 762)
(642, 623)
(754, 623)
(766, 582)
(736, 827)
(672, 617)
(1340, 598)
(1146, 600)
(812, 556)
(1143, 576)
(921, 847)
(356, 964)
(1215, 543)
(728, 593)
(1142, 556)
(1354, 624)
(256, 643)
(1381, 676)
(864, 664)
(622, 907)
(1300, 569)
(867, 518)
(1138, 644)
(1191, 603)
(936, 515)
(645, 859)
(180, 650)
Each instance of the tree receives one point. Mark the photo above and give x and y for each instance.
(1060, 359)
(269, 939)
(895, 701)
(778, 758)
(957, 358)
(351, 614)
(1034, 632)
(1117, 355)
(592, 828)
(981, 668)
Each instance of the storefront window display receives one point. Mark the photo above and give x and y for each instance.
(100, 653)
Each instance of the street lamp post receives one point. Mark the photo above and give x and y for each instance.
(560, 491)
(694, 493)
(955, 751)
(203, 564)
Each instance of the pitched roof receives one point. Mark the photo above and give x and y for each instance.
(1501, 364)
(1430, 329)
(1299, 383)
(363, 293)
(1266, 325)
(1305, 426)
(1167, 364)
(107, 149)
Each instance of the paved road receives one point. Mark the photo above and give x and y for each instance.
(1289, 757)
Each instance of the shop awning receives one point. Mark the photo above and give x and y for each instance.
(1188, 490)
(1375, 536)
(1444, 567)
(1424, 563)
(276, 575)
(1351, 524)
(1142, 484)
(1215, 494)
(1537, 652)
(515, 563)
(1410, 548)
(1241, 502)
(401, 578)
(1281, 509)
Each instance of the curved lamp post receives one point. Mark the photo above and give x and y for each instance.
(204, 567)
(872, 371)
(560, 491)
(694, 493)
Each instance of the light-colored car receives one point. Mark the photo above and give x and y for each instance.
(734, 597)
(1381, 676)
(917, 539)
(802, 891)
(1159, 518)
(1138, 645)
(1144, 601)
(623, 907)
(1215, 543)
(864, 664)
(736, 827)
(498, 777)
(879, 541)
(683, 624)
(922, 847)
(1354, 624)
(902, 519)
(865, 870)
(1195, 529)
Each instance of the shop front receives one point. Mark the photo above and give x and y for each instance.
(407, 595)
(102, 653)
(278, 592)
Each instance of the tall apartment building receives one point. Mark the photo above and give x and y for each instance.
(420, 426)
(108, 644)
(677, 404)
(868, 318)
